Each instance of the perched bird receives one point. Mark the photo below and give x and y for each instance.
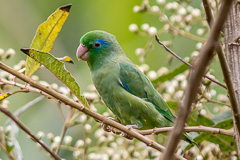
(126, 91)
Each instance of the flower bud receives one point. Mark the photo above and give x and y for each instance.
(155, 9)
(40, 135)
(50, 136)
(133, 28)
(136, 9)
(79, 143)
(161, 1)
(145, 27)
(152, 31)
(68, 140)
(9, 53)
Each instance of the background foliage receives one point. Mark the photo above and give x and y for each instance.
(18, 23)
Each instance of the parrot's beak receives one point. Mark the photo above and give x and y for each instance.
(82, 52)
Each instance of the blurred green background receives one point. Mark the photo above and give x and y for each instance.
(18, 23)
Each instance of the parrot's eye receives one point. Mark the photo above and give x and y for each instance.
(96, 45)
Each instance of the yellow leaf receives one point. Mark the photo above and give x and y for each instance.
(46, 34)
(3, 96)
(66, 59)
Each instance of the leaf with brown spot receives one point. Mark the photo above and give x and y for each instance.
(46, 34)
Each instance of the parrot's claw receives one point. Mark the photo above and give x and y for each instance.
(133, 126)
(112, 119)
(106, 127)
(123, 134)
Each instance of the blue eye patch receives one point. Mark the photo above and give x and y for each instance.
(102, 41)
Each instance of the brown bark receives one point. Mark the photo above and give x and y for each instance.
(232, 49)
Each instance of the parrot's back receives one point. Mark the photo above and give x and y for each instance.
(126, 91)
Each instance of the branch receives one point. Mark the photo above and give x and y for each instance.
(209, 15)
(189, 129)
(64, 130)
(215, 102)
(232, 48)
(10, 115)
(206, 56)
(156, 131)
(175, 29)
(82, 108)
(227, 76)
(25, 107)
(188, 64)
(26, 87)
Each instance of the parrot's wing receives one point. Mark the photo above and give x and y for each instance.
(136, 83)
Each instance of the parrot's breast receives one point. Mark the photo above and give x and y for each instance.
(127, 108)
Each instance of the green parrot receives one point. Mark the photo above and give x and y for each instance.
(126, 91)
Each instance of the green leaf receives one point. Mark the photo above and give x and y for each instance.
(9, 147)
(199, 119)
(12, 141)
(46, 34)
(225, 143)
(172, 74)
(58, 69)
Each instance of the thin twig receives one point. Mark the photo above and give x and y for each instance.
(81, 107)
(188, 64)
(215, 102)
(18, 91)
(64, 130)
(27, 87)
(10, 156)
(10, 115)
(171, 52)
(208, 11)
(177, 30)
(189, 129)
(70, 148)
(25, 107)
(85, 147)
(206, 56)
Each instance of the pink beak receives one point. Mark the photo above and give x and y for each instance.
(82, 52)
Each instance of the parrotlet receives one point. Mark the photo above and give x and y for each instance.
(126, 91)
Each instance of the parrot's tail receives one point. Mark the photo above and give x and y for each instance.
(189, 139)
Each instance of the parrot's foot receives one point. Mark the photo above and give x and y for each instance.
(134, 126)
(106, 127)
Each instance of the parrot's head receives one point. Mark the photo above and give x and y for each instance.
(96, 46)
